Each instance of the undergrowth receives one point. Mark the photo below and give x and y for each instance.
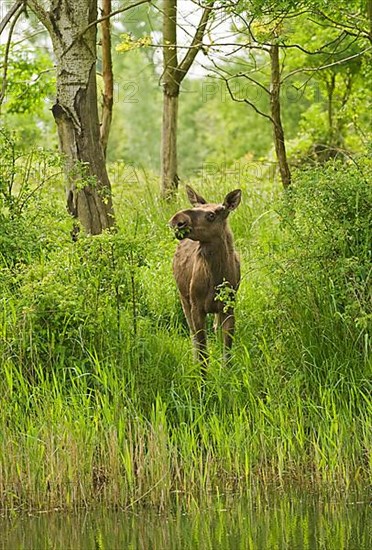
(100, 400)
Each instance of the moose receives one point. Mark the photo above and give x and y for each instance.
(206, 267)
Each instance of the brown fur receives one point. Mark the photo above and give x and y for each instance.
(205, 258)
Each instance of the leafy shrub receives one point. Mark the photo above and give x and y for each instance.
(30, 80)
(87, 297)
(324, 264)
(33, 218)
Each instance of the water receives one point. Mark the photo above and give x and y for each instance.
(275, 523)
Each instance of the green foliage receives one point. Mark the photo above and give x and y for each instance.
(226, 295)
(96, 366)
(30, 92)
(328, 69)
(227, 131)
(137, 100)
(323, 74)
(27, 213)
(128, 43)
(100, 399)
(331, 231)
(30, 81)
(322, 271)
(99, 276)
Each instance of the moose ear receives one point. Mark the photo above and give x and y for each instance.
(194, 198)
(232, 200)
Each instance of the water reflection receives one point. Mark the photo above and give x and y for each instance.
(274, 523)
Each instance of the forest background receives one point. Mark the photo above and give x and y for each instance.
(100, 397)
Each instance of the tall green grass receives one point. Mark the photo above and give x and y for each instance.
(100, 400)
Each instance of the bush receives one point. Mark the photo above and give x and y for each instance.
(323, 267)
(86, 298)
(33, 219)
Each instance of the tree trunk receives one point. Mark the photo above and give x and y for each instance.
(169, 145)
(170, 99)
(369, 15)
(107, 75)
(279, 141)
(331, 85)
(76, 111)
(173, 75)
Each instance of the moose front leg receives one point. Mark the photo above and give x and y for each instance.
(227, 321)
(198, 319)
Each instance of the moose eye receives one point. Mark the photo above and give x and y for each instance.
(211, 216)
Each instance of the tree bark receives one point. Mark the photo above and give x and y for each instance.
(76, 110)
(169, 145)
(369, 15)
(108, 77)
(170, 100)
(331, 85)
(173, 74)
(279, 140)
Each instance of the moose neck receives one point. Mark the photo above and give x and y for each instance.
(223, 244)
(217, 254)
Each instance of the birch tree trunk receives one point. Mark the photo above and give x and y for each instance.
(73, 33)
(279, 141)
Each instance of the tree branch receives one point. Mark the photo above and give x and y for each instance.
(196, 43)
(256, 82)
(113, 13)
(327, 66)
(344, 26)
(41, 14)
(164, 15)
(101, 19)
(245, 100)
(218, 70)
(10, 14)
(6, 54)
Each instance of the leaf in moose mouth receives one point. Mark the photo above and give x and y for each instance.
(181, 233)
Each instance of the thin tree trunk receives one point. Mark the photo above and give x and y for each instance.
(279, 141)
(169, 144)
(170, 99)
(107, 74)
(331, 84)
(369, 15)
(173, 75)
(76, 111)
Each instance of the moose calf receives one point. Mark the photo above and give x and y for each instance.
(206, 267)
